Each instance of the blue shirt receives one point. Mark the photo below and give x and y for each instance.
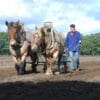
(72, 41)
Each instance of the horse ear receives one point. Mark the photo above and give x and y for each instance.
(6, 22)
(18, 22)
(36, 27)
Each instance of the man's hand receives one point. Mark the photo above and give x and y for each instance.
(66, 49)
(79, 41)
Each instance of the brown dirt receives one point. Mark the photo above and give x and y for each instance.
(83, 85)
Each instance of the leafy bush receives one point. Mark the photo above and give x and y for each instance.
(4, 49)
(90, 44)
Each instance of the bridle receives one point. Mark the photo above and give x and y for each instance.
(20, 37)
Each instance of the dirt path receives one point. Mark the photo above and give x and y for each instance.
(83, 85)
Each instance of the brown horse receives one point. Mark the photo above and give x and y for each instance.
(19, 46)
(52, 44)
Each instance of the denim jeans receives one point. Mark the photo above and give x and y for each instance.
(74, 60)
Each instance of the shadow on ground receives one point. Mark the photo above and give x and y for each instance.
(65, 90)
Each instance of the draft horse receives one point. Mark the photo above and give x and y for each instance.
(52, 45)
(19, 46)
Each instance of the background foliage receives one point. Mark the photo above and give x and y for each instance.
(90, 44)
(4, 47)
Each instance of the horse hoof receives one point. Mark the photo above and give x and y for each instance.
(49, 72)
(33, 71)
(21, 68)
(57, 73)
(20, 73)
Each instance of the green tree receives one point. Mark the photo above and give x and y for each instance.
(4, 43)
(91, 44)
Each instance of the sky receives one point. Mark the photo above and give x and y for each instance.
(85, 14)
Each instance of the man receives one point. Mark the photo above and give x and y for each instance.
(72, 45)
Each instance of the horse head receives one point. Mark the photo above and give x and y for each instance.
(48, 28)
(37, 39)
(16, 34)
